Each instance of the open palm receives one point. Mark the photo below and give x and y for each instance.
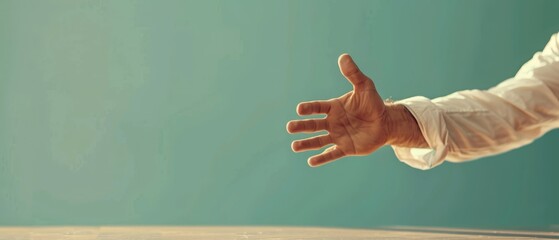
(355, 122)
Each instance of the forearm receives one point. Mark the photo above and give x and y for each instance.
(484, 123)
(471, 124)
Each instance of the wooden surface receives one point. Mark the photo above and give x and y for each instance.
(164, 232)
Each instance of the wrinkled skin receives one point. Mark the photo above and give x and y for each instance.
(356, 122)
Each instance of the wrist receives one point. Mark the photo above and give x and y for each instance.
(402, 127)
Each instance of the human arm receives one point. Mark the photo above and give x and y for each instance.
(462, 126)
(471, 124)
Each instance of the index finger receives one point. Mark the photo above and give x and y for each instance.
(313, 107)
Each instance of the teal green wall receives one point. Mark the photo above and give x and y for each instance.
(174, 112)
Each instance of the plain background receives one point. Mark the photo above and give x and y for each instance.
(174, 112)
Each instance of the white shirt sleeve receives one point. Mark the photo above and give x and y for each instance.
(475, 123)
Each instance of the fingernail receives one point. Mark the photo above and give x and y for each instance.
(344, 58)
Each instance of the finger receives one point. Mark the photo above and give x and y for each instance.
(307, 125)
(329, 155)
(312, 143)
(352, 73)
(314, 107)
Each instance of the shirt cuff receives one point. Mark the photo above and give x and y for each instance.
(432, 125)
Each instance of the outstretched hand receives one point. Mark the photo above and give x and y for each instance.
(356, 122)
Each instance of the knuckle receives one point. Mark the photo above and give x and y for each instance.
(353, 71)
(319, 141)
(312, 125)
(315, 106)
(292, 125)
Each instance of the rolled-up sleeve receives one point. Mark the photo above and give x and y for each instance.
(471, 124)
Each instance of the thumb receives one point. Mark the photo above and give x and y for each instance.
(352, 73)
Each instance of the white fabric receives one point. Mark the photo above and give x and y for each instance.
(471, 124)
